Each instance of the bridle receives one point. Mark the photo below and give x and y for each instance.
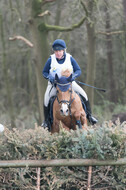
(68, 102)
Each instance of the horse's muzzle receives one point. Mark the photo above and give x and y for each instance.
(64, 112)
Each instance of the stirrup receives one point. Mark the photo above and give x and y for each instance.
(92, 120)
(44, 124)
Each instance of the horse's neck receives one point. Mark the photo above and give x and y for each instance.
(73, 95)
(76, 97)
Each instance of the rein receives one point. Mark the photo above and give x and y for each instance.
(100, 89)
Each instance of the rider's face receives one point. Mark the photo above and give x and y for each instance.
(59, 54)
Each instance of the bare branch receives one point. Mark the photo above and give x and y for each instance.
(47, 12)
(21, 38)
(111, 33)
(84, 7)
(47, 1)
(103, 178)
(63, 29)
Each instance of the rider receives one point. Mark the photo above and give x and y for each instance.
(55, 63)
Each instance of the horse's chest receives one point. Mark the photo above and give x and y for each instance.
(67, 120)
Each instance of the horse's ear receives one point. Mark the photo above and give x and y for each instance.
(56, 77)
(70, 78)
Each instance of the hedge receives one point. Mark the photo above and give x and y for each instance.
(105, 142)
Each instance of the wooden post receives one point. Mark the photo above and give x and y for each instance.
(38, 178)
(89, 178)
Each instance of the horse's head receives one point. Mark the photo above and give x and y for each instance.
(64, 93)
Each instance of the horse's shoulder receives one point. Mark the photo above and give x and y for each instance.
(77, 95)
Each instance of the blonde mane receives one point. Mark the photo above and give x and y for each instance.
(66, 72)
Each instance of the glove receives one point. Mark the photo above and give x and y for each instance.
(73, 77)
(51, 78)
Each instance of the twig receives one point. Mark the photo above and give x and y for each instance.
(108, 169)
(111, 33)
(49, 1)
(21, 38)
(84, 7)
(47, 12)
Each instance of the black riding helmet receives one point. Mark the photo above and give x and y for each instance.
(59, 44)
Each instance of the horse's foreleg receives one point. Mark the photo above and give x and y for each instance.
(77, 116)
(84, 121)
(78, 122)
(55, 126)
(81, 119)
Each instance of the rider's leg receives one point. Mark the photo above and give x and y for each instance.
(45, 123)
(91, 119)
(50, 91)
(78, 89)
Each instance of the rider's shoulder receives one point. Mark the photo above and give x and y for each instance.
(68, 54)
(52, 55)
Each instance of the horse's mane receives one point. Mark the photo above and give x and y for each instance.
(66, 72)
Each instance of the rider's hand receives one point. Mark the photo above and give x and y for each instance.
(73, 77)
(51, 79)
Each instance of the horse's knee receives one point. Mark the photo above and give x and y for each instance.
(77, 116)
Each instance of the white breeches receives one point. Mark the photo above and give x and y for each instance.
(51, 91)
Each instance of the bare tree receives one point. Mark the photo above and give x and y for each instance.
(113, 97)
(10, 107)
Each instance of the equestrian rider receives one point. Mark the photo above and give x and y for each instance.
(55, 63)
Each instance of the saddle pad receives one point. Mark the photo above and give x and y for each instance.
(82, 101)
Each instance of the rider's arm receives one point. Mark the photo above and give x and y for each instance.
(76, 68)
(46, 69)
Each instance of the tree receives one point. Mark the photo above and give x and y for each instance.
(10, 107)
(91, 50)
(39, 34)
(113, 97)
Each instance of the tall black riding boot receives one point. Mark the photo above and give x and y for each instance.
(90, 118)
(46, 113)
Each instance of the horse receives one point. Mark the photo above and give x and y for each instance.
(68, 110)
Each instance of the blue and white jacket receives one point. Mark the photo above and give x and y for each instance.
(54, 65)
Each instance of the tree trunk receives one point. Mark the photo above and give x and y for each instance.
(112, 95)
(91, 54)
(40, 57)
(40, 52)
(124, 8)
(57, 18)
(10, 108)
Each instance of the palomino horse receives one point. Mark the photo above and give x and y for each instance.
(67, 107)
